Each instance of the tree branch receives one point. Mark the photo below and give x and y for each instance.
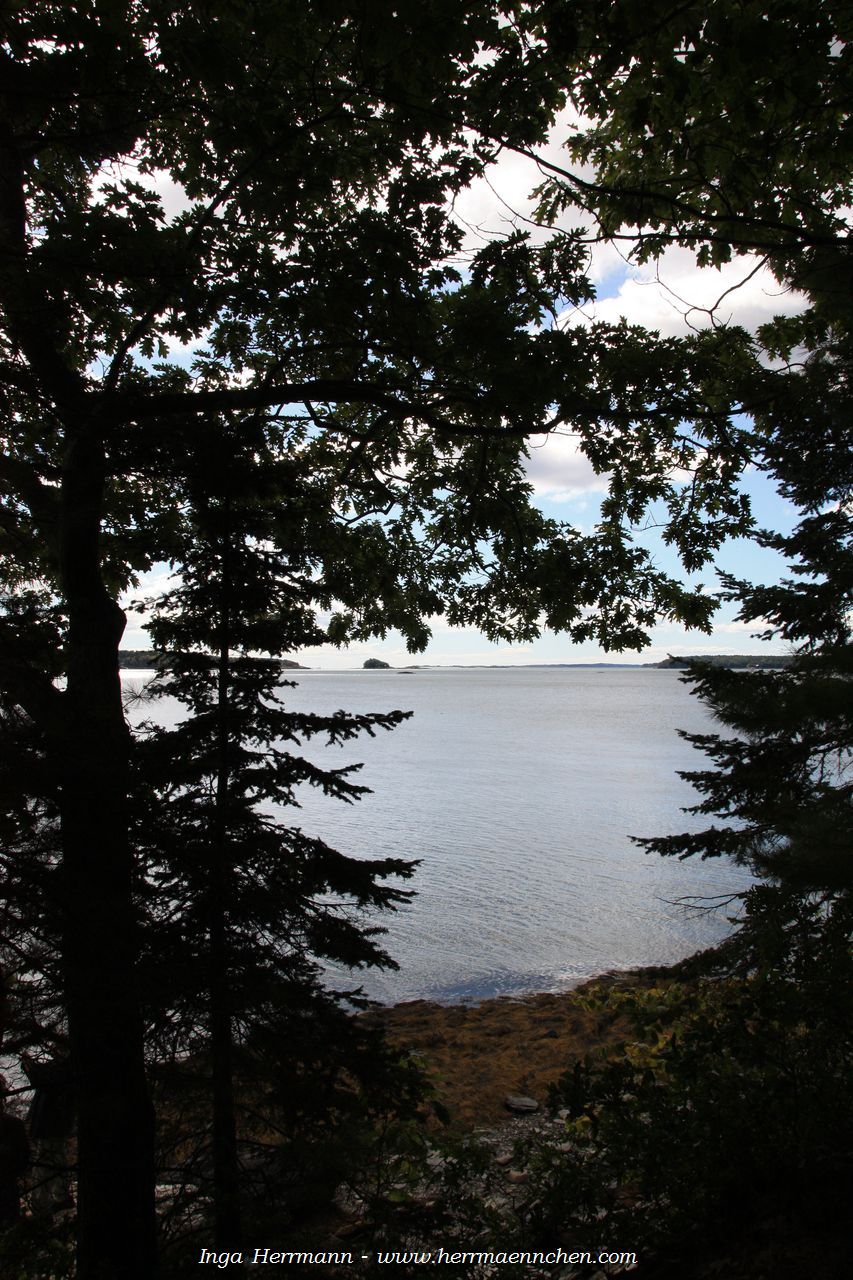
(23, 480)
(126, 407)
(29, 313)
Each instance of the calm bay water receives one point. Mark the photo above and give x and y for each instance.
(518, 790)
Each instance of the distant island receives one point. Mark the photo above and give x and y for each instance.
(138, 659)
(376, 664)
(150, 659)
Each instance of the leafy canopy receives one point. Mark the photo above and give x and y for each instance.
(273, 192)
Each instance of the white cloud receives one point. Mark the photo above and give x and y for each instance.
(151, 584)
(172, 196)
(670, 297)
(558, 470)
(675, 296)
(737, 628)
(493, 204)
(607, 259)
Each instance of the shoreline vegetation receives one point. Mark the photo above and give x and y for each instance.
(151, 660)
(479, 1057)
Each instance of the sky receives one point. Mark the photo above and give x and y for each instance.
(671, 297)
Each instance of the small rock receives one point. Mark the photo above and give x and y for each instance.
(516, 1175)
(503, 1160)
(521, 1104)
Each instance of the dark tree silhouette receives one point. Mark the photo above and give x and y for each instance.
(242, 905)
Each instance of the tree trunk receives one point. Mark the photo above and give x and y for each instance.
(227, 1223)
(116, 1224)
(226, 1172)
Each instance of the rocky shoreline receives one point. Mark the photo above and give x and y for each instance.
(479, 1055)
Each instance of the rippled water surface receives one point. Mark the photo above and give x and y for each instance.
(518, 790)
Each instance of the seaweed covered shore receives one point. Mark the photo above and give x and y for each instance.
(478, 1054)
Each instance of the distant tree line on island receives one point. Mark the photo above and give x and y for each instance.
(734, 661)
(152, 660)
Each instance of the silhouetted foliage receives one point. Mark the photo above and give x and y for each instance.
(240, 906)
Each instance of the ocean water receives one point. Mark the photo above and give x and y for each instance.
(518, 790)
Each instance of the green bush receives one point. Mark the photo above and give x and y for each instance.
(732, 1100)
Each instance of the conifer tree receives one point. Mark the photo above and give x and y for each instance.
(30, 850)
(242, 904)
(30, 925)
(781, 777)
